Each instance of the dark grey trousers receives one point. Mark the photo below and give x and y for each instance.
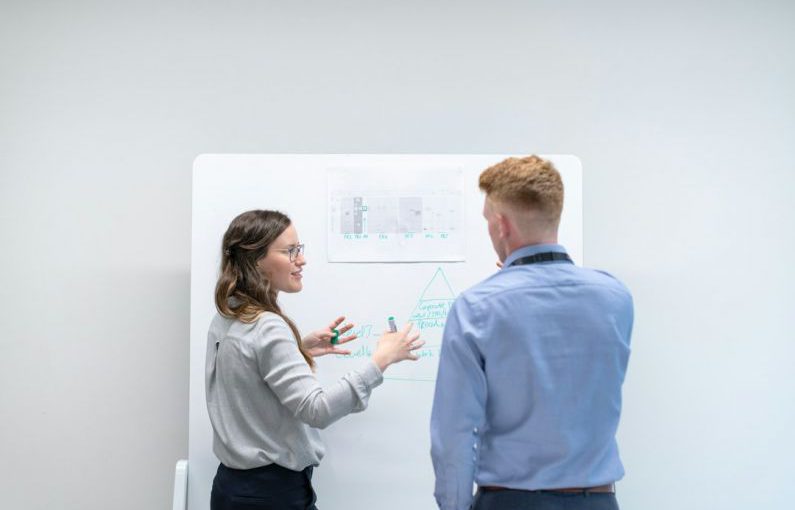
(267, 488)
(543, 500)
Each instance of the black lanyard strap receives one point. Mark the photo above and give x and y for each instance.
(548, 256)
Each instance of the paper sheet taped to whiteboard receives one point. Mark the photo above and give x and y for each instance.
(386, 216)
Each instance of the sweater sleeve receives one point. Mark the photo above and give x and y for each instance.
(286, 372)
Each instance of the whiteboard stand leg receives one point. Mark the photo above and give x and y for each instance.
(180, 486)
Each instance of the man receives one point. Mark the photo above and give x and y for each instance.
(528, 394)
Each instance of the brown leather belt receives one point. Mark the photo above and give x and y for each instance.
(600, 489)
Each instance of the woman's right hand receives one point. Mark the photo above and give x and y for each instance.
(396, 347)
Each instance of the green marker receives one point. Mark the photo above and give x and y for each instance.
(336, 338)
(392, 325)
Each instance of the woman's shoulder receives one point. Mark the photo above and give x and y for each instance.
(270, 323)
(270, 318)
(272, 334)
(265, 321)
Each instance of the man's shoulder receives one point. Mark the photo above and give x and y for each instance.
(489, 286)
(606, 279)
(485, 286)
(508, 280)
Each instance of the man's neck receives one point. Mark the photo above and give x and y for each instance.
(532, 241)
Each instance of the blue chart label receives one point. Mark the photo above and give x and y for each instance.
(428, 316)
(434, 303)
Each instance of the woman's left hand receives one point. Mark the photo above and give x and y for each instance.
(318, 343)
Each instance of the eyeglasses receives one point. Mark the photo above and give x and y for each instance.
(293, 252)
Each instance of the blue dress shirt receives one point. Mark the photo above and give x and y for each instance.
(528, 393)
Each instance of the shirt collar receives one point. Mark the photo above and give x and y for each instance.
(532, 249)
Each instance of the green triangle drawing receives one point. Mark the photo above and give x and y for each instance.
(434, 303)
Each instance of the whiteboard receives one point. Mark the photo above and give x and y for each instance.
(379, 458)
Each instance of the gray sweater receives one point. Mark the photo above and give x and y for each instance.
(265, 403)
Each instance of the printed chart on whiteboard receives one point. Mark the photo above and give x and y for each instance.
(388, 216)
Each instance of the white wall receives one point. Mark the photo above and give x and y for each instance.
(682, 113)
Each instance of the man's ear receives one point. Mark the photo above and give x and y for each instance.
(504, 227)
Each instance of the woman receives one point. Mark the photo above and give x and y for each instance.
(264, 401)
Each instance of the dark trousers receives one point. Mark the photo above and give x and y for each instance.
(270, 487)
(543, 500)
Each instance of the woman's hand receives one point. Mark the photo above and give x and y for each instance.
(318, 343)
(396, 347)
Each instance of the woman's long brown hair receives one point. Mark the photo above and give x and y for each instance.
(242, 291)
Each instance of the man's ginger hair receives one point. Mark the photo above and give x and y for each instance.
(526, 184)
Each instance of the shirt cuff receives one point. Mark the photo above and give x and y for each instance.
(371, 375)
